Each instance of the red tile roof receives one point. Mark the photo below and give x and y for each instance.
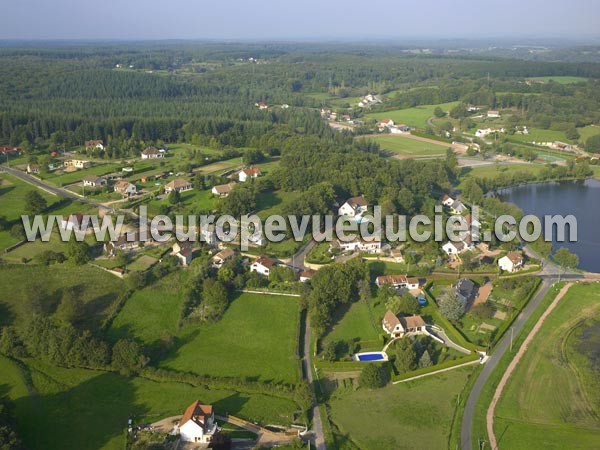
(197, 412)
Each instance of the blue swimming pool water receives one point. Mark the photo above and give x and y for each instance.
(371, 357)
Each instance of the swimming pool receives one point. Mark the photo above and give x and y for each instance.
(371, 356)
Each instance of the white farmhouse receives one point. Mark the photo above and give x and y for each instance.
(249, 172)
(198, 424)
(353, 207)
(512, 262)
(263, 265)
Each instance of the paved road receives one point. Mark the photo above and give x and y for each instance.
(490, 365)
(49, 187)
(299, 257)
(319, 436)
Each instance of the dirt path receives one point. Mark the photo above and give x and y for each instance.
(513, 365)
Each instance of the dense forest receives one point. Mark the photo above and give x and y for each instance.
(128, 95)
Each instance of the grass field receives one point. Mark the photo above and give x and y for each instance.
(587, 132)
(221, 166)
(527, 416)
(96, 288)
(354, 323)
(410, 147)
(416, 117)
(559, 80)
(12, 199)
(413, 415)
(88, 410)
(255, 338)
(161, 304)
(540, 135)
(494, 170)
(275, 202)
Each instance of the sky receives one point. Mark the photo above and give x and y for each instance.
(351, 20)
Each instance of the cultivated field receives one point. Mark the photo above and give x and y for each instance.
(255, 338)
(527, 416)
(410, 147)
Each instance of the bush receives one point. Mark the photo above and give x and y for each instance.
(374, 376)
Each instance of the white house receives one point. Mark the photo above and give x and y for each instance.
(125, 188)
(77, 163)
(249, 172)
(457, 207)
(493, 114)
(512, 262)
(94, 145)
(223, 190)
(93, 181)
(179, 185)
(152, 153)
(353, 207)
(400, 129)
(222, 257)
(385, 124)
(307, 275)
(453, 248)
(198, 424)
(398, 281)
(458, 247)
(400, 327)
(358, 244)
(33, 168)
(263, 265)
(447, 200)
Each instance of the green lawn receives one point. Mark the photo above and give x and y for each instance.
(527, 416)
(559, 80)
(88, 410)
(255, 338)
(354, 323)
(97, 290)
(413, 415)
(416, 117)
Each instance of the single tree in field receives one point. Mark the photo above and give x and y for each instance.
(35, 203)
(450, 306)
(566, 259)
(373, 376)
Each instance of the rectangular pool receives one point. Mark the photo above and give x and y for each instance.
(373, 356)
